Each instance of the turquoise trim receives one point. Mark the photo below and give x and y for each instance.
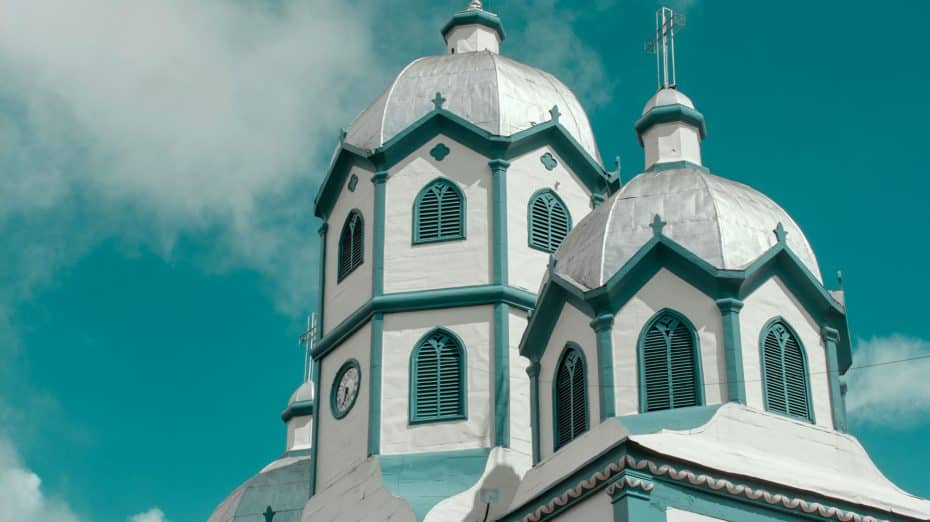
(297, 409)
(374, 384)
(676, 165)
(422, 300)
(570, 348)
(668, 114)
(353, 182)
(473, 17)
(548, 161)
(533, 372)
(377, 277)
(733, 348)
(439, 152)
(500, 274)
(548, 134)
(321, 295)
(676, 419)
(436, 186)
(553, 203)
(333, 392)
(695, 353)
(347, 266)
(425, 479)
(502, 375)
(412, 415)
(807, 380)
(315, 428)
(837, 402)
(602, 326)
(634, 504)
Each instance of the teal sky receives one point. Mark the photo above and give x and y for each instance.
(158, 162)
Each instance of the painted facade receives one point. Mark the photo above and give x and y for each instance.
(533, 341)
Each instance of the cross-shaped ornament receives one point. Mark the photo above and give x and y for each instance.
(554, 113)
(657, 225)
(780, 233)
(268, 514)
(438, 101)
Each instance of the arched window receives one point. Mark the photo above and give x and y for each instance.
(570, 396)
(784, 372)
(351, 244)
(670, 369)
(549, 221)
(439, 213)
(437, 378)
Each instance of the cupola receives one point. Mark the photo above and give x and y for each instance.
(472, 30)
(671, 129)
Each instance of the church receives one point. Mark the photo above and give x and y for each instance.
(507, 331)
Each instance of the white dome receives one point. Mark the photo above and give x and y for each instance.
(667, 96)
(304, 392)
(498, 94)
(723, 222)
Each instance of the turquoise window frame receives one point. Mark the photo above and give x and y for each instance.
(351, 363)
(570, 347)
(343, 269)
(806, 364)
(413, 416)
(460, 234)
(531, 223)
(696, 354)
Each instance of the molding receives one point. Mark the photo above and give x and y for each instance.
(500, 270)
(733, 348)
(501, 375)
(297, 409)
(670, 113)
(603, 325)
(719, 485)
(474, 17)
(675, 165)
(533, 371)
(374, 385)
(831, 337)
(422, 300)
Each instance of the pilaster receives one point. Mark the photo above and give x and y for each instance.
(603, 326)
(733, 349)
(630, 493)
(499, 168)
(377, 277)
(321, 293)
(533, 371)
(374, 378)
(502, 375)
(831, 337)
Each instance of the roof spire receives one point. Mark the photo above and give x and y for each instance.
(473, 30)
(474, 5)
(662, 44)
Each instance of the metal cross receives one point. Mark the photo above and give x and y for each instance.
(554, 113)
(306, 340)
(438, 101)
(662, 44)
(268, 514)
(657, 225)
(780, 233)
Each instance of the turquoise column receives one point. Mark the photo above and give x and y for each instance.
(733, 349)
(377, 277)
(533, 371)
(315, 376)
(374, 379)
(603, 325)
(502, 375)
(831, 337)
(630, 494)
(499, 276)
(321, 298)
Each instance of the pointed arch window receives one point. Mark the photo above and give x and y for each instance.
(351, 244)
(437, 378)
(784, 372)
(571, 400)
(549, 221)
(439, 213)
(670, 369)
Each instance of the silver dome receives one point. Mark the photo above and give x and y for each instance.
(723, 222)
(498, 94)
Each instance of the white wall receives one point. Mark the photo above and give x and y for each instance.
(677, 515)
(666, 290)
(572, 325)
(525, 176)
(402, 331)
(342, 298)
(672, 141)
(771, 300)
(521, 433)
(450, 263)
(597, 507)
(299, 431)
(343, 443)
(470, 38)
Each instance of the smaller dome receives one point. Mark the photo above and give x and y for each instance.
(283, 485)
(723, 222)
(304, 392)
(667, 96)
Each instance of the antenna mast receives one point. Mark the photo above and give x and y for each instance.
(306, 340)
(662, 44)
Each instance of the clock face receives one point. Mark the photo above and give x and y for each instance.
(345, 388)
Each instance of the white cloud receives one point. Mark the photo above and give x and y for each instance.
(152, 515)
(896, 394)
(21, 495)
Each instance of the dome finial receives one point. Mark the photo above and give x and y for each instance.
(473, 30)
(474, 5)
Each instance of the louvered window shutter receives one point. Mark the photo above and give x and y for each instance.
(439, 213)
(549, 221)
(438, 379)
(571, 405)
(351, 244)
(785, 373)
(669, 365)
